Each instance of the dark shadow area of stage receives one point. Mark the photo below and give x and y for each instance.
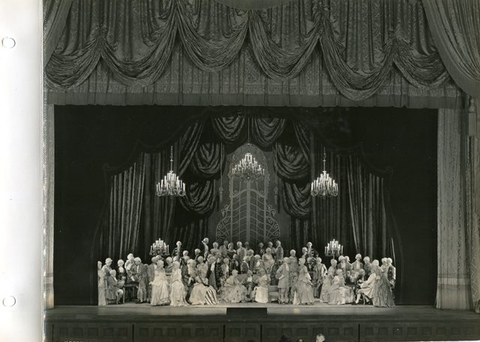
(259, 323)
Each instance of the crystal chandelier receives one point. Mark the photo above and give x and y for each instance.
(159, 247)
(248, 168)
(324, 185)
(333, 249)
(171, 185)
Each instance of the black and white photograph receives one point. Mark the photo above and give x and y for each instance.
(241, 170)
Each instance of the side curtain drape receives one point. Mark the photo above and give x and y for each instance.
(357, 217)
(455, 27)
(453, 280)
(473, 210)
(367, 210)
(360, 42)
(55, 14)
(125, 207)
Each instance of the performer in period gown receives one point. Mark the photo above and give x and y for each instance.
(177, 289)
(293, 263)
(202, 267)
(151, 276)
(205, 242)
(381, 294)
(101, 285)
(202, 293)
(283, 276)
(339, 294)
(121, 271)
(113, 292)
(366, 288)
(261, 290)
(391, 275)
(357, 264)
(367, 266)
(233, 291)
(327, 283)
(241, 251)
(107, 268)
(304, 284)
(160, 287)
(268, 260)
(230, 250)
(319, 274)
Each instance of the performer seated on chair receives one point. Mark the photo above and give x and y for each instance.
(261, 290)
(113, 292)
(365, 292)
(233, 291)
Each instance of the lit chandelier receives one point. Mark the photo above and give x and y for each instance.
(324, 185)
(248, 168)
(171, 185)
(333, 249)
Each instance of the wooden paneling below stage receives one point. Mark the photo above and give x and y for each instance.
(259, 323)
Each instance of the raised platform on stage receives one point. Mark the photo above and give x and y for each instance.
(258, 322)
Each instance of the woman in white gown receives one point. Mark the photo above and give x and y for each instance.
(233, 291)
(202, 293)
(101, 285)
(327, 283)
(304, 285)
(177, 289)
(261, 290)
(160, 288)
(339, 294)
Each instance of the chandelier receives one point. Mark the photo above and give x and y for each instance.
(248, 168)
(171, 185)
(324, 185)
(333, 249)
(159, 247)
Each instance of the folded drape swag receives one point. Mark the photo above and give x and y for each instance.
(359, 53)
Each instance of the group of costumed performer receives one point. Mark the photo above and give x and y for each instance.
(228, 275)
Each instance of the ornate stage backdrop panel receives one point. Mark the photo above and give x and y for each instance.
(248, 216)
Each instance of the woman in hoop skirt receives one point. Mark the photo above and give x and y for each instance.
(178, 293)
(327, 284)
(304, 284)
(160, 290)
(382, 295)
(233, 291)
(202, 293)
(261, 290)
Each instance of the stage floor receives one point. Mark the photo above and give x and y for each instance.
(259, 322)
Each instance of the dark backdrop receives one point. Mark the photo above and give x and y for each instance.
(88, 137)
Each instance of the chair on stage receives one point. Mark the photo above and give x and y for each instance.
(130, 291)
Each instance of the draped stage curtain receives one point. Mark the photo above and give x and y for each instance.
(455, 27)
(473, 209)
(121, 235)
(299, 53)
(453, 279)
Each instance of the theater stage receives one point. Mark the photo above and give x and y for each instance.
(258, 322)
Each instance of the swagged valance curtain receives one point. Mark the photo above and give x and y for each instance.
(342, 49)
(136, 216)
